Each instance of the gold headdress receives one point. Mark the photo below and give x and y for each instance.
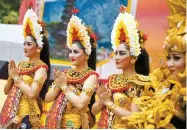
(125, 29)
(176, 39)
(76, 30)
(31, 26)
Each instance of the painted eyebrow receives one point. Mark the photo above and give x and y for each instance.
(177, 55)
(28, 42)
(122, 51)
(76, 50)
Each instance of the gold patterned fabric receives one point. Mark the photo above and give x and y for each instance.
(163, 98)
(78, 77)
(17, 105)
(124, 91)
(24, 105)
(27, 106)
(45, 109)
(62, 113)
(71, 117)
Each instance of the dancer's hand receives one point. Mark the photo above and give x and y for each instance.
(56, 73)
(12, 70)
(60, 78)
(104, 94)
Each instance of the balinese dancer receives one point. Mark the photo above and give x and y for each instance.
(115, 99)
(73, 88)
(27, 81)
(164, 105)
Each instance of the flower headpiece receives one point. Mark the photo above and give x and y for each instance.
(92, 35)
(76, 30)
(32, 27)
(125, 30)
(142, 38)
(176, 35)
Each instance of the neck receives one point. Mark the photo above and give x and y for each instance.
(81, 67)
(34, 58)
(129, 71)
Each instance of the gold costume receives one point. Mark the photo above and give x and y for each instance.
(45, 109)
(124, 91)
(24, 104)
(71, 116)
(17, 105)
(159, 103)
(63, 114)
(20, 111)
(176, 35)
(165, 98)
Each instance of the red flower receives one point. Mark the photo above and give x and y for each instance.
(27, 29)
(93, 35)
(74, 35)
(41, 23)
(122, 36)
(30, 4)
(145, 37)
(75, 10)
(123, 9)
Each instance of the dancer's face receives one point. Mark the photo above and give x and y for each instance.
(176, 63)
(30, 47)
(77, 54)
(122, 56)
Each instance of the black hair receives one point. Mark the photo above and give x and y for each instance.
(93, 56)
(142, 63)
(92, 65)
(45, 57)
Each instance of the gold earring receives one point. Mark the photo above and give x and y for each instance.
(182, 75)
(86, 57)
(133, 61)
(38, 50)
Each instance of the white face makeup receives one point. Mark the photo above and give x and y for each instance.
(122, 56)
(176, 63)
(30, 47)
(77, 55)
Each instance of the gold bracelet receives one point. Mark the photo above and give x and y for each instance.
(17, 80)
(111, 106)
(40, 81)
(64, 88)
(88, 91)
(55, 86)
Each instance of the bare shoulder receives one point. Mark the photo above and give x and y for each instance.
(41, 71)
(90, 81)
(93, 76)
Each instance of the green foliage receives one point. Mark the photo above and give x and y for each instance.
(9, 11)
(12, 18)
